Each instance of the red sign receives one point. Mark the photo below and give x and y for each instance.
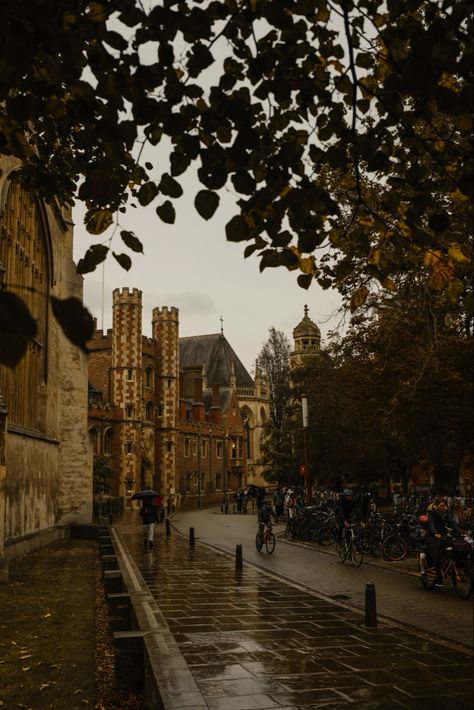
(302, 469)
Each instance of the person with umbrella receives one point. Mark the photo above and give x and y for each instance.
(148, 514)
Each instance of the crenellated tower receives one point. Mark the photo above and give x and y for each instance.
(126, 383)
(165, 323)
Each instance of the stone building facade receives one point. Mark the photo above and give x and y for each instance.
(180, 415)
(46, 462)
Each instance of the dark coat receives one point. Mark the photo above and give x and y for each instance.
(438, 523)
(149, 513)
(344, 509)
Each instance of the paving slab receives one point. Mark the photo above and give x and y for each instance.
(252, 641)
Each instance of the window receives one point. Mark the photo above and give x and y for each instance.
(218, 482)
(149, 411)
(195, 447)
(94, 440)
(24, 255)
(203, 448)
(129, 447)
(186, 447)
(219, 449)
(108, 435)
(129, 411)
(149, 377)
(129, 374)
(236, 444)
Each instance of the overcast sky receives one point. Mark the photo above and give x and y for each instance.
(192, 266)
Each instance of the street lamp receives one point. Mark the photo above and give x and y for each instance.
(304, 412)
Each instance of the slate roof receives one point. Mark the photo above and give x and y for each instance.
(217, 355)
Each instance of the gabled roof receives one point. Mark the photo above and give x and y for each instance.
(217, 356)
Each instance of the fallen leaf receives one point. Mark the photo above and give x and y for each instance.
(26, 668)
(46, 616)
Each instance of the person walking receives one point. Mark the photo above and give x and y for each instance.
(278, 503)
(149, 517)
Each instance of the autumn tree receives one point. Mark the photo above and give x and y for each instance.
(343, 129)
(394, 391)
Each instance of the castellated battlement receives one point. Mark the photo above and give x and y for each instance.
(166, 313)
(127, 296)
(100, 338)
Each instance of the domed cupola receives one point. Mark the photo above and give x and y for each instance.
(307, 340)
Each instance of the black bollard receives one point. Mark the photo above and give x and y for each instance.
(226, 508)
(370, 605)
(238, 557)
(168, 526)
(191, 536)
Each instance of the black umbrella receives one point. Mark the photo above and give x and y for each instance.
(139, 495)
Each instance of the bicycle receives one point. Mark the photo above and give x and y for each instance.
(265, 537)
(348, 546)
(456, 567)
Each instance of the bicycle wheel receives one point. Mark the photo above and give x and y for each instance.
(259, 540)
(394, 548)
(326, 535)
(356, 553)
(341, 550)
(270, 543)
(463, 579)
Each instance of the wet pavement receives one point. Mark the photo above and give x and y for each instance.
(252, 641)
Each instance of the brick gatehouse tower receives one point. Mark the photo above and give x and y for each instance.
(181, 415)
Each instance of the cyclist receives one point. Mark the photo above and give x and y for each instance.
(264, 517)
(344, 508)
(439, 521)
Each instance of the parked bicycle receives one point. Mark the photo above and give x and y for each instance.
(265, 537)
(348, 547)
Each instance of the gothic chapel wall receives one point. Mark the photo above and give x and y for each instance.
(47, 476)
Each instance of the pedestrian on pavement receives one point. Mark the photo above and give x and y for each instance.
(278, 503)
(149, 517)
(290, 501)
(238, 500)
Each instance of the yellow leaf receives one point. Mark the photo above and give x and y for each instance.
(284, 191)
(96, 12)
(454, 290)
(439, 146)
(374, 257)
(367, 221)
(358, 298)
(456, 254)
(307, 265)
(389, 284)
(431, 258)
(458, 196)
(440, 276)
(97, 221)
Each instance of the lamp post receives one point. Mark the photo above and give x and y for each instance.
(304, 412)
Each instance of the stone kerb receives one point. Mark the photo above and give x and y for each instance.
(164, 667)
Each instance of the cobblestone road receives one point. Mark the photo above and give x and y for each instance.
(253, 642)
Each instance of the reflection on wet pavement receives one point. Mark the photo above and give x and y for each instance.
(253, 642)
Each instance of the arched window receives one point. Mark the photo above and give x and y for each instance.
(24, 255)
(263, 415)
(149, 411)
(108, 436)
(94, 440)
(149, 377)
